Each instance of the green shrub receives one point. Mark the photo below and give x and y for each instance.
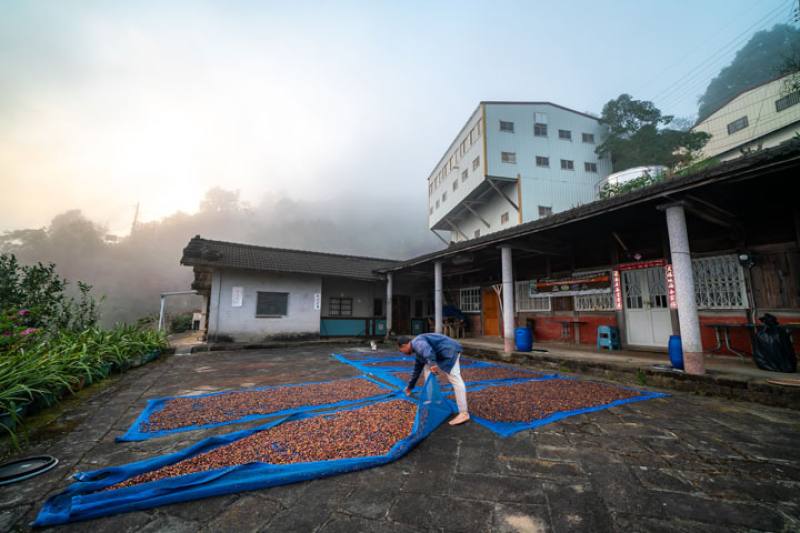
(181, 323)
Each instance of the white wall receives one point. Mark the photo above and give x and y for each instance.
(241, 323)
(363, 294)
(491, 209)
(552, 186)
(440, 181)
(758, 105)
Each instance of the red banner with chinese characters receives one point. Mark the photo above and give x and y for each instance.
(638, 265)
(595, 282)
(617, 290)
(670, 278)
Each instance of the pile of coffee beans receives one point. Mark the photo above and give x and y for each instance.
(367, 431)
(534, 400)
(190, 411)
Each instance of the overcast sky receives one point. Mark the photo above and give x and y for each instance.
(106, 104)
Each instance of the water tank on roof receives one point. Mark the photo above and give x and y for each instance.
(624, 176)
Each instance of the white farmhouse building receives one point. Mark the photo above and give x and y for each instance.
(515, 162)
(758, 118)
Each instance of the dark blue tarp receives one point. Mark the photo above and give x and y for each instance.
(506, 429)
(137, 431)
(86, 498)
(386, 373)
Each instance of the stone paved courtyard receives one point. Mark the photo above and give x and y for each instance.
(683, 463)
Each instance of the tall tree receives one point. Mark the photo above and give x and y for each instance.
(638, 135)
(763, 58)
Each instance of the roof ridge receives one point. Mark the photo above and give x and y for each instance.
(274, 248)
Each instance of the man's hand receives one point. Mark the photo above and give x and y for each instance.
(435, 369)
(407, 391)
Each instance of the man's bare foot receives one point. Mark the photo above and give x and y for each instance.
(460, 418)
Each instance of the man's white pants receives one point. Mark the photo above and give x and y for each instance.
(454, 377)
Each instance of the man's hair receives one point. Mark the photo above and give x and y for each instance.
(403, 339)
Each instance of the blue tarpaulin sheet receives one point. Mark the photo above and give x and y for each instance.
(387, 373)
(138, 432)
(506, 429)
(87, 498)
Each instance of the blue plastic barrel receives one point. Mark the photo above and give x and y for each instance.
(675, 352)
(524, 339)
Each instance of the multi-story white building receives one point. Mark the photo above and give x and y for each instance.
(514, 162)
(758, 118)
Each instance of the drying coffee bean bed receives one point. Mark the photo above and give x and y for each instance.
(471, 375)
(363, 432)
(533, 400)
(183, 412)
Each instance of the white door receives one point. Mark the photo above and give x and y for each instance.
(647, 320)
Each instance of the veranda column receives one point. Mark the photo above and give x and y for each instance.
(684, 290)
(388, 304)
(437, 296)
(508, 299)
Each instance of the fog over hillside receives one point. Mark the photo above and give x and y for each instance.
(131, 272)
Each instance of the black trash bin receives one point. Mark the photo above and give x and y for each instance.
(772, 347)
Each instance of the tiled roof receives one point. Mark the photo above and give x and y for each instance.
(221, 254)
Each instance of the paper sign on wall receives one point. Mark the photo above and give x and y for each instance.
(317, 301)
(237, 295)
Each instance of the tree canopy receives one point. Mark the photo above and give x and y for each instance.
(638, 135)
(763, 58)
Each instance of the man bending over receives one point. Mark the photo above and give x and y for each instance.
(437, 353)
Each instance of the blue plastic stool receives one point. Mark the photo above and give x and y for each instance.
(608, 337)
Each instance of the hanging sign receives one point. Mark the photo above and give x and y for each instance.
(638, 265)
(237, 295)
(317, 301)
(583, 283)
(670, 278)
(617, 290)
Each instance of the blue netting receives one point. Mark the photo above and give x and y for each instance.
(387, 373)
(86, 498)
(505, 429)
(138, 432)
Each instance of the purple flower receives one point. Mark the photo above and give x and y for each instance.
(23, 312)
(26, 332)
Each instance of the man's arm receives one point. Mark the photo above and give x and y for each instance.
(418, 366)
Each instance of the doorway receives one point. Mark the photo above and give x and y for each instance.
(647, 318)
(491, 312)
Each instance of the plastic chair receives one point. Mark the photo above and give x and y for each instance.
(608, 337)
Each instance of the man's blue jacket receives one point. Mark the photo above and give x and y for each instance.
(434, 349)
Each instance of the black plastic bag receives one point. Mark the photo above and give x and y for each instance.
(772, 347)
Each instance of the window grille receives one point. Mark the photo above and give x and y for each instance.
(470, 299)
(787, 101)
(507, 126)
(594, 302)
(738, 124)
(588, 138)
(508, 157)
(340, 307)
(526, 302)
(719, 283)
(565, 135)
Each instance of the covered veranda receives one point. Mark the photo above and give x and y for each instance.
(700, 255)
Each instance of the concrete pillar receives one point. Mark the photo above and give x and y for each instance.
(684, 290)
(437, 296)
(388, 304)
(508, 299)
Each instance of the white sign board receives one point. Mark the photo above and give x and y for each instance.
(317, 301)
(237, 295)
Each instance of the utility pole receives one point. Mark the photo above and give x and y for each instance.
(135, 219)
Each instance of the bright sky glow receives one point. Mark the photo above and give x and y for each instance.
(106, 104)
